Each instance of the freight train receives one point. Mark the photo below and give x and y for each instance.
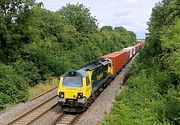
(79, 87)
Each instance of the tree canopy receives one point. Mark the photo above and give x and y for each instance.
(80, 17)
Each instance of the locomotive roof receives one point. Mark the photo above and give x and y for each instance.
(82, 71)
(76, 73)
(96, 63)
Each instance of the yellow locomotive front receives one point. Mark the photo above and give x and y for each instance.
(74, 90)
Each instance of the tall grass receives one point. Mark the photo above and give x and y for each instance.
(42, 88)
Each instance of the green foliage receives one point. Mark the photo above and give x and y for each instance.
(70, 37)
(80, 17)
(9, 9)
(13, 86)
(163, 15)
(48, 56)
(10, 37)
(28, 70)
(111, 40)
(145, 101)
(171, 105)
(171, 49)
(107, 28)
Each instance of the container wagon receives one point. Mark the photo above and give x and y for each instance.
(118, 60)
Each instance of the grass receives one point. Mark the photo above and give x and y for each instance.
(42, 88)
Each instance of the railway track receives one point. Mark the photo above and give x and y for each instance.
(43, 94)
(67, 119)
(34, 114)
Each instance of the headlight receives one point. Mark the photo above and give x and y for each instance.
(80, 95)
(61, 94)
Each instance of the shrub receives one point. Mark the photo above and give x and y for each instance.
(144, 101)
(28, 70)
(13, 86)
(48, 56)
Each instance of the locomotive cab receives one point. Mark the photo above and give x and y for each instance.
(74, 89)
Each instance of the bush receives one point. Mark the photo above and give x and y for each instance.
(144, 101)
(48, 56)
(13, 86)
(28, 70)
(171, 105)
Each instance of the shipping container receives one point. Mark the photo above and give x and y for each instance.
(127, 53)
(132, 50)
(118, 60)
(137, 46)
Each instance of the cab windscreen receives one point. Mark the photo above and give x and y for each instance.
(72, 81)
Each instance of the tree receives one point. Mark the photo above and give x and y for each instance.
(163, 14)
(107, 28)
(9, 35)
(80, 17)
(171, 48)
(120, 29)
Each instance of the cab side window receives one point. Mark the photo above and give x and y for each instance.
(87, 81)
(106, 67)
